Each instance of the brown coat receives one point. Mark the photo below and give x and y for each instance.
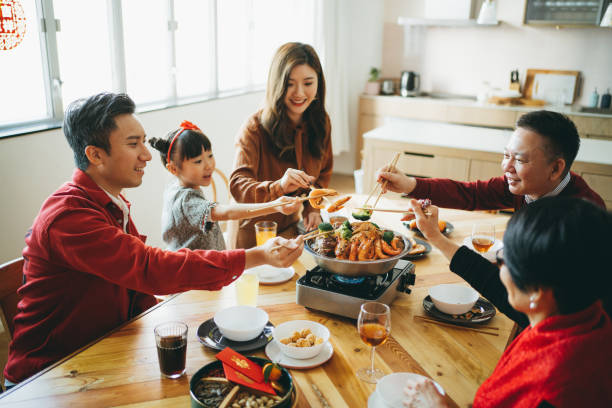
(257, 173)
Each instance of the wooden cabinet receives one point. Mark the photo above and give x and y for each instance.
(484, 170)
(602, 184)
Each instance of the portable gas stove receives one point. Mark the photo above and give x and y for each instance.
(343, 295)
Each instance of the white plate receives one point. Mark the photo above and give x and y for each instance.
(490, 254)
(271, 275)
(375, 402)
(275, 354)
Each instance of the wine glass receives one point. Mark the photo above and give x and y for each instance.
(374, 325)
(483, 236)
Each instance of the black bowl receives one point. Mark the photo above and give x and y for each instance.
(286, 381)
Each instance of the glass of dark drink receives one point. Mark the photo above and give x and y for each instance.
(374, 325)
(483, 237)
(171, 341)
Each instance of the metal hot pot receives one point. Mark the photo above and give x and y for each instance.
(358, 268)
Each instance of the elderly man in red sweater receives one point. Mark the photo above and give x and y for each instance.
(537, 162)
(87, 269)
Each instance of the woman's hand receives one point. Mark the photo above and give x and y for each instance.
(428, 224)
(312, 221)
(288, 208)
(294, 179)
(396, 181)
(422, 393)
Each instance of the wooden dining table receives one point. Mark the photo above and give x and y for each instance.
(121, 368)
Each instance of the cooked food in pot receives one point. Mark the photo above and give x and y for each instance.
(358, 241)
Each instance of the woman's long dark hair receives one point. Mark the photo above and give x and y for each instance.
(274, 119)
(564, 244)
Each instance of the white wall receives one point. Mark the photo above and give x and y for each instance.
(457, 60)
(33, 166)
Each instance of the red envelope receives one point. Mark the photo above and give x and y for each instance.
(242, 364)
(239, 378)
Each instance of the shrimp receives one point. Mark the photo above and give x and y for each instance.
(388, 249)
(364, 251)
(378, 249)
(395, 243)
(354, 250)
(342, 249)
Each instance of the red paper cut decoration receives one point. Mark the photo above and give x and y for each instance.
(12, 24)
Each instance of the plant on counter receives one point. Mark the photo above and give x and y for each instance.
(372, 87)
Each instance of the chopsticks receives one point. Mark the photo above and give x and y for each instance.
(483, 330)
(381, 209)
(270, 205)
(312, 234)
(376, 185)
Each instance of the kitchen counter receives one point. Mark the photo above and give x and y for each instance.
(466, 101)
(379, 110)
(473, 138)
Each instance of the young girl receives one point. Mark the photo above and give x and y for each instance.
(189, 220)
(286, 147)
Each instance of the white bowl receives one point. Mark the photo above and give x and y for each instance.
(390, 388)
(301, 353)
(453, 299)
(241, 323)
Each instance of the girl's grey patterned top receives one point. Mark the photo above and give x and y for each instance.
(186, 220)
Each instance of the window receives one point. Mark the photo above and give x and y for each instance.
(161, 52)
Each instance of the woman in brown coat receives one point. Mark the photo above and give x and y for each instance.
(285, 148)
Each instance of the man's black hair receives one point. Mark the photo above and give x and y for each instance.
(560, 134)
(89, 122)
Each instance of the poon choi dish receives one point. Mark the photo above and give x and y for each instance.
(357, 241)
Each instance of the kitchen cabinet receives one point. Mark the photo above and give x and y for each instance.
(375, 111)
(602, 184)
(565, 12)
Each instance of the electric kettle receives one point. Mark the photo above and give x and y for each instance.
(410, 82)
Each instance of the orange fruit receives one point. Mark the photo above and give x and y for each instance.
(271, 372)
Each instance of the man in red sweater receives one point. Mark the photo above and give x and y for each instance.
(87, 269)
(537, 162)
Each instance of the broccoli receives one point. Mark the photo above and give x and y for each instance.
(344, 232)
(347, 225)
(362, 215)
(388, 237)
(325, 227)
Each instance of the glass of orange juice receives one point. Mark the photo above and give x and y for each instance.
(264, 230)
(247, 288)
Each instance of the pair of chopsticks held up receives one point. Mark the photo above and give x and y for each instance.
(382, 188)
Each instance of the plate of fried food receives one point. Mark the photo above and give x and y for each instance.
(418, 249)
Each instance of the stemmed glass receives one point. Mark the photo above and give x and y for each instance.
(374, 325)
(483, 237)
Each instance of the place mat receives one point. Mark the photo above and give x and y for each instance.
(210, 336)
(487, 308)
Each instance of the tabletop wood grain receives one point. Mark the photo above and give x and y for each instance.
(121, 369)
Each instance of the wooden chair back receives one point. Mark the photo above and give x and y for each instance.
(11, 278)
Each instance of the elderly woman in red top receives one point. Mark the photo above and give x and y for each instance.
(554, 267)
(285, 148)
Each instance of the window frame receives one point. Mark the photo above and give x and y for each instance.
(48, 26)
